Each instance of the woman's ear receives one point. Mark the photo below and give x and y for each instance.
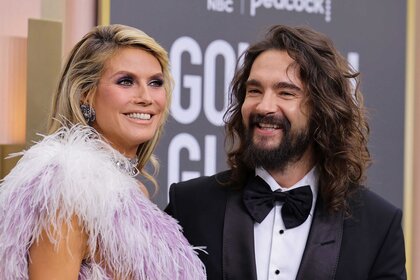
(84, 99)
(87, 98)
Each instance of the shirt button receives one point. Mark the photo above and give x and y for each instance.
(281, 231)
(277, 272)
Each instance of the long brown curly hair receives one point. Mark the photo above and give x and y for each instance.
(337, 115)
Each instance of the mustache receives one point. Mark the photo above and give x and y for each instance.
(282, 122)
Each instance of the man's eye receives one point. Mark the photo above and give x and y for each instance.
(156, 83)
(253, 91)
(287, 94)
(125, 81)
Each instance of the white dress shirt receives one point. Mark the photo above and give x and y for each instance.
(278, 251)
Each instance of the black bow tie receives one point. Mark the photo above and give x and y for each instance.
(259, 199)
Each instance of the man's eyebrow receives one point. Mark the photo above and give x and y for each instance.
(286, 85)
(279, 85)
(253, 82)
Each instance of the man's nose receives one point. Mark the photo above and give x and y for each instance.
(267, 103)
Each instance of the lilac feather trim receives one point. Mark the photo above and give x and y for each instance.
(72, 172)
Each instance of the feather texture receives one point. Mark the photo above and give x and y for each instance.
(73, 172)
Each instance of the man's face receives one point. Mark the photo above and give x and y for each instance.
(276, 121)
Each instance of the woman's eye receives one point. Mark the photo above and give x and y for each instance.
(125, 81)
(156, 83)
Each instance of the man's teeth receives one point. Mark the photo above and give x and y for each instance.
(139, 116)
(268, 126)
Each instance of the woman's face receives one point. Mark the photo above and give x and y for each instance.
(130, 100)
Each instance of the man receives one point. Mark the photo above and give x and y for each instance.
(292, 205)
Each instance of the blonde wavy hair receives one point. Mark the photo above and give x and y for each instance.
(83, 69)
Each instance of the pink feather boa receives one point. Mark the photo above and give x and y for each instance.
(73, 172)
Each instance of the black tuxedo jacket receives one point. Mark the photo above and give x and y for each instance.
(367, 245)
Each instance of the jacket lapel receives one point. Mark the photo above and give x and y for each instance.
(238, 240)
(320, 258)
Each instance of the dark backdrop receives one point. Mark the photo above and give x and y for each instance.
(204, 38)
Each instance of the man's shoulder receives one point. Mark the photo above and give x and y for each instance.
(367, 203)
(202, 194)
(217, 180)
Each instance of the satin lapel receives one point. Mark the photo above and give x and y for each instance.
(238, 240)
(320, 258)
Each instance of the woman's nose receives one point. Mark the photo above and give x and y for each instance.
(143, 95)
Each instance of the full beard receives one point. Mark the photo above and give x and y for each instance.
(290, 149)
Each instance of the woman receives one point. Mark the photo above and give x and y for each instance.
(71, 208)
